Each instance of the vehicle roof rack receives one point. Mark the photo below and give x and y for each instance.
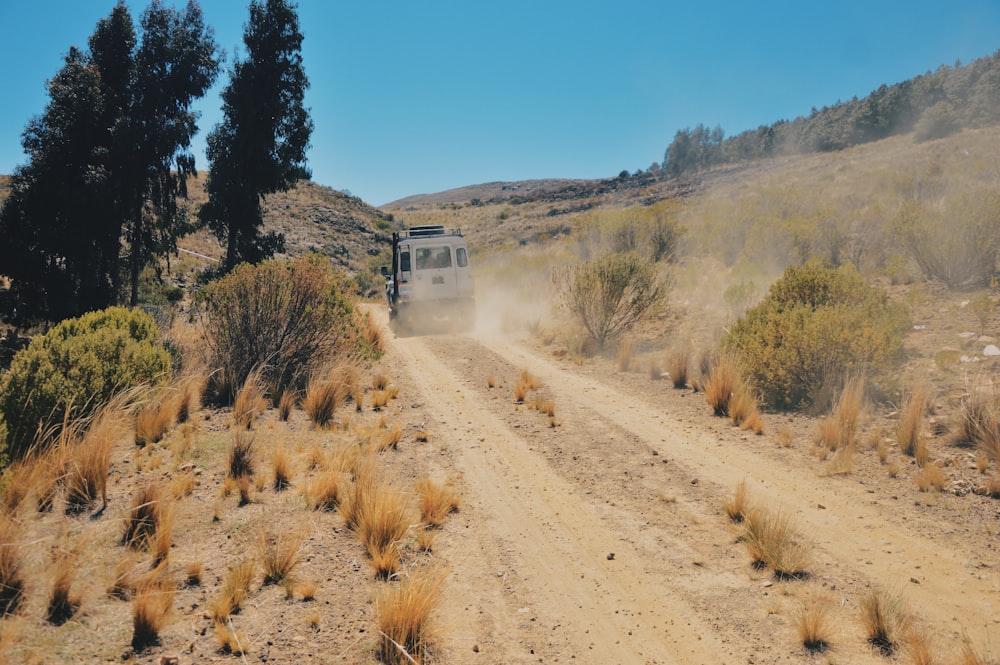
(427, 231)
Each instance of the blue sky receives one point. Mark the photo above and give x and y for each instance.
(418, 97)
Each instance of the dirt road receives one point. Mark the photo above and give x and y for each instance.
(598, 536)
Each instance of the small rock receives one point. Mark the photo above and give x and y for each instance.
(767, 584)
(611, 556)
(915, 580)
(821, 506)
(991, 350)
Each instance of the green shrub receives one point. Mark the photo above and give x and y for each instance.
(78, 366)
(816, 326)
(287, 317)
(610, 294)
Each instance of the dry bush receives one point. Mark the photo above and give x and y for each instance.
(282, 463)
(677, 368)
(14, 556)
(379, 399)
(436, 501)
(736, 505)
(405, 613)
(279, 553)
(384, 521)
(235, 587)
(884, 617)
(784, 438)
(63, 603)
(743, 409)
(250, 402)
(154, 598)
(813, 622)
(771, 542)
(911, 421)
(520, 392)
(89, 459)
(930, 477)
(720, 384)
(380, 381)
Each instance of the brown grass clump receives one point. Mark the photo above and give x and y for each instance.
(188, 398)
(145, 517)
(784, 438)
(89, 459)
(520, 392)
(192, 573)
(979, 425)
(930, 478)
(154, 598)
(969, 655)
(771, 542)
(529, 381)
(250, 401)
(404, 614)
(63, 603)
(436, 501)
(324, 393)
(241, 456)
(231, 641)
(279, 553)
(884, 617)
(623, 355)
(736, 505)
(235, 587)
(911, 420)
(743, 409)
(389, 439)
(286, 404)
(152, 422)
(384, 521)
(677, 368)
(380, 381)
(13, 565)
(918, 649)
(813, 623)
(282, 463)
(720, 385)
(324, 491)
(366, 480)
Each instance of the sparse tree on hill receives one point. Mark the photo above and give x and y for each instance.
(260, 146)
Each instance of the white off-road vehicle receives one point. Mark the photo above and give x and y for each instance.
(429, 283)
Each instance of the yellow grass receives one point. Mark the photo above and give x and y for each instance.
(813, 622)
(250, 403)
(281, 461)
(911, 421)
(89, 459)
(884, 617)
(405, 616)
(720, 384)
(325, 391)
(154, 599)
(153, 420)
(736, 505)
(771, 542)
(279, 552)
(14, 555)
(436, 501)
(235, 586)
(384, 520)
(930, 478)
(145, 517)
(678, 368)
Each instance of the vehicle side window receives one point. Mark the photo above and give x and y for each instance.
(461, 257)
(404, 261)
(433, 257)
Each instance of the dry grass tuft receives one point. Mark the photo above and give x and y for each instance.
(153, 420)
(979, 425)
(436, 501)
(365, 471)
(744, 410)
(623, 355)
(813, 622)
(380, 381)
(771, 542)
(280, 553)
(281, 461)
(63, 603)
(969, 655)
(188, 399)
(911, 419)
(145, 517)
(884, 617)
(192, 573)
(324, 491)
(154, 598)
(325, 392)
(930, 478)
(89, 459)
(230, 640)
(736, 505)
(918, 649)
(384, 520)
(784, 438)
(14, 556)
(241, 456)
(250, 401)
(404, 614)
(183, 484)
(720, 385)
(678, 368)
(235, 587)
(286, 404)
